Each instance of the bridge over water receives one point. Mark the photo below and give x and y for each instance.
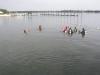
(47, 13)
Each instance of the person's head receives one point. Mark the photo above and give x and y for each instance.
(75, 27)
(83, 29)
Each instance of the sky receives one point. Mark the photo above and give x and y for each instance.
(50, 4)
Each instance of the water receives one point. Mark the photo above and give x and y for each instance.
(49, 52)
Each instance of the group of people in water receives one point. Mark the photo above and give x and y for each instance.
(66, 29)
(70, 31)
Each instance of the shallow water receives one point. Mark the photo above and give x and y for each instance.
(49, 52)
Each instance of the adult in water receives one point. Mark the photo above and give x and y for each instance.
(70, 31)
(25, 31)
(82, 32)
(40, 28)
(65, 29)
(75, 30)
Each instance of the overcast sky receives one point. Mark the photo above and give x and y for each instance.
(50, 4)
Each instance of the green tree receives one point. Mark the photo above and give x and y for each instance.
(4, 11)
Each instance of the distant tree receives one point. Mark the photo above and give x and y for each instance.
(4, 11)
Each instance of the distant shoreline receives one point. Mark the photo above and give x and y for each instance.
(59, 11)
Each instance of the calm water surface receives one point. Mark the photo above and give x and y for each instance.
(49, 52)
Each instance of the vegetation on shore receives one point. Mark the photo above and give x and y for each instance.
(3, 11)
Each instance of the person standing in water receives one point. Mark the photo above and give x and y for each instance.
(25, 31)
(40, 28)
(75, 30)
(82, 32)
(70, 31)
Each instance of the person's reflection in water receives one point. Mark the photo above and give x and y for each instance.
(70, 35)
(40, 28)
